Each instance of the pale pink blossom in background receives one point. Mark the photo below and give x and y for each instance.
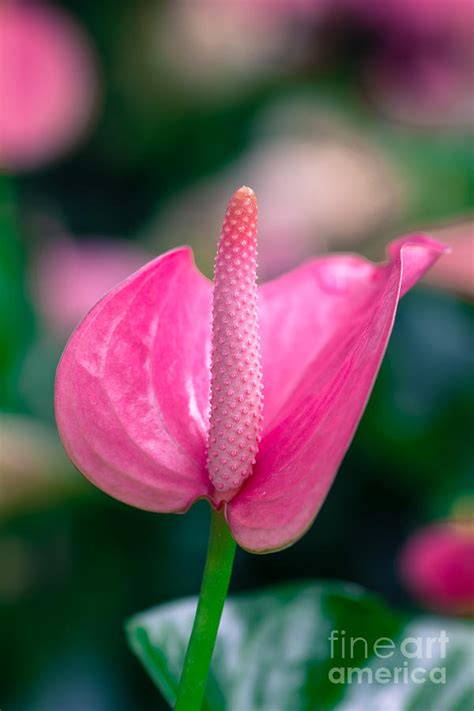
(456, 271)
(288, 8)
(69, 277)
(341, 190)
(229, 46)
(48, 84)
(322, 185)
(437, 566)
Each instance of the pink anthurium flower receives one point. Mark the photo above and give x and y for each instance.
(174, 388)
(437, 566)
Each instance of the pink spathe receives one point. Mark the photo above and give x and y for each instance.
(133, 385)
(48, 84)
(437, 566)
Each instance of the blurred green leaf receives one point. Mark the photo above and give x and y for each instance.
(274, 652)
(15, 315)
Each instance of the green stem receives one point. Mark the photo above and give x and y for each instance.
(215, 583)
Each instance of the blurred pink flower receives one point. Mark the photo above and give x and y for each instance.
(456, 271)
(229, 45)
(288, 8)
(437, 566)
(427, 17)
(421, 72)
(426, 90)
(132, 387)
(48, 84)
(344, 190)
(69, 277)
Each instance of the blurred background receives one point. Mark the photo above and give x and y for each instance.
(124, 127)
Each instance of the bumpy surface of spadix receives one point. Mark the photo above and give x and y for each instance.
(236, 381)
(132, 389)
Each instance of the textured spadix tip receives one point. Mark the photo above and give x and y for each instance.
(236, 375)
(240, 222)
(245, 192)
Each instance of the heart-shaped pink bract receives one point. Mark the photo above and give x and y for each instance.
(133, 386)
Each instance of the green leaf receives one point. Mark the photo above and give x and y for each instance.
(274, 653)
(15, 314)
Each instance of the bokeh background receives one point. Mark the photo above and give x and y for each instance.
(124, 127)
